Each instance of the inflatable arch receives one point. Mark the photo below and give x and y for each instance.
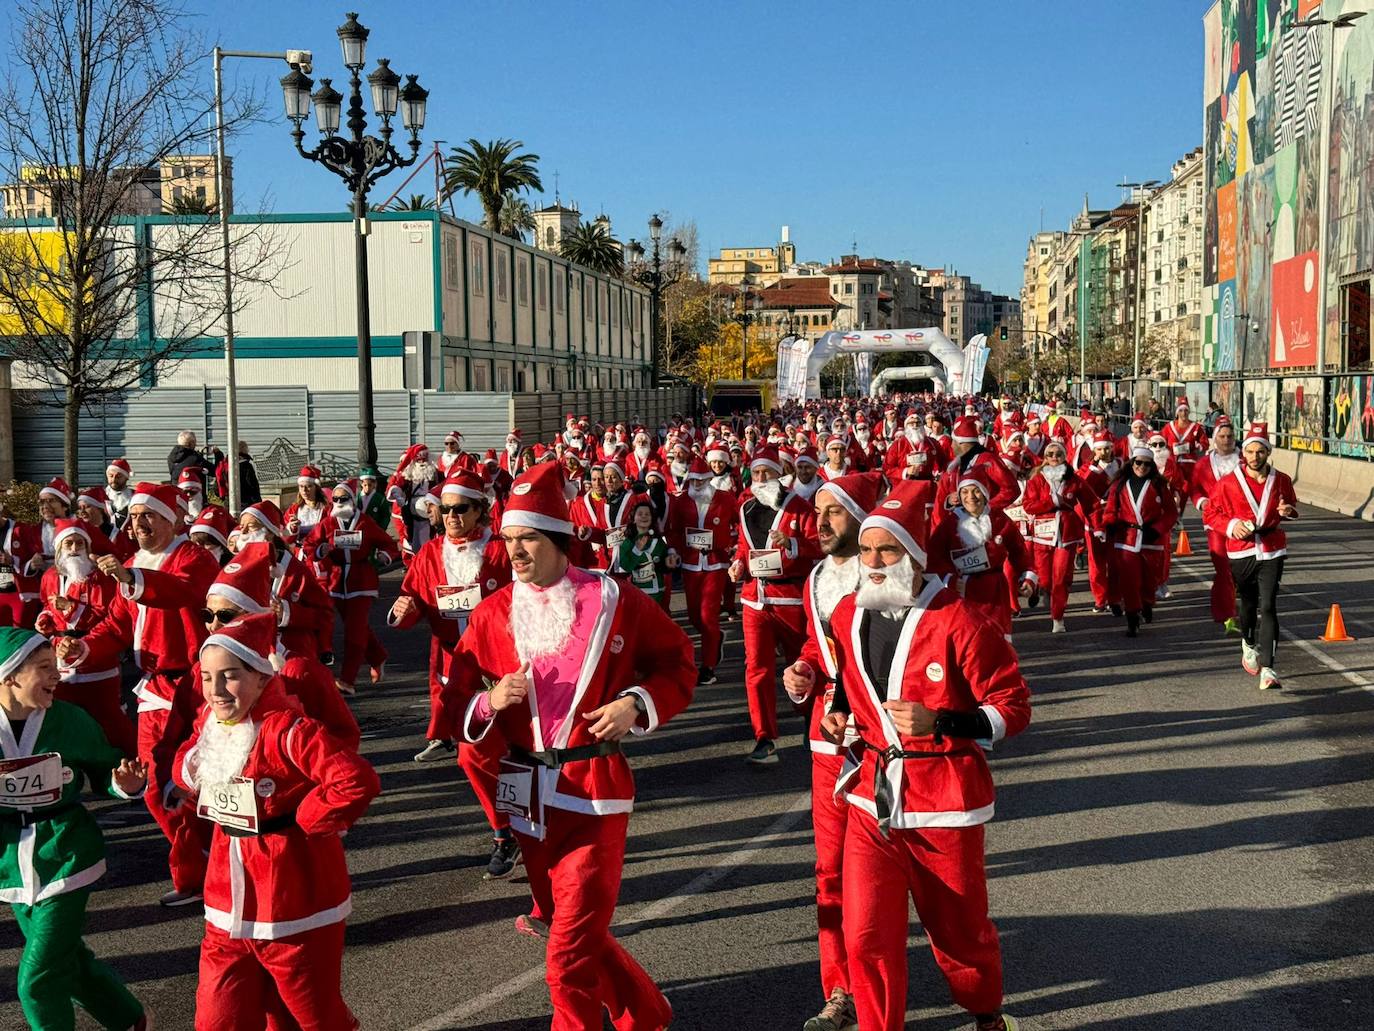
(800, 361)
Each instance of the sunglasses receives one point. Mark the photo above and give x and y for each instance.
(342, 499)
(1142, 461)
(212, 616)
(462, 508)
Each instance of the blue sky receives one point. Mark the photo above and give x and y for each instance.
(934, 132)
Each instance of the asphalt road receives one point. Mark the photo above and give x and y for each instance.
(1172, 848)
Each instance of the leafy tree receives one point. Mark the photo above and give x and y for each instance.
(415, 202)
(590, 245)
(720, 357)
(494, 172)
(193, 206)
(517, 217)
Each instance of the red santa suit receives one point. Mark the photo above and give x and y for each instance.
(1058, 515)
(689, 524)
(1187, 443)
(1058, 426)
(345, 551)
(1139, 515)
(570, 795)
(1208, 472)
(1238, 497)
(905, 457)
(25, 548)
(307, 612)
(1004, 486)
(157, 617)
(603, 524)
(71, 608)
(276, 898)
(921, 835)
(979, 552)
(773, 618)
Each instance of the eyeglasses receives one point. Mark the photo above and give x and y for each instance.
(1142, 461)
(462, 508)
(341, 499)
(212, 616)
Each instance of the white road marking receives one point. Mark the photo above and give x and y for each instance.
(800, 807)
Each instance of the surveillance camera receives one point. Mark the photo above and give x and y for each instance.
(302, 59)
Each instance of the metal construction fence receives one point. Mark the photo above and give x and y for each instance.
(287, 426)
(1322, 414)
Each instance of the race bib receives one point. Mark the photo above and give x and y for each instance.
(452, 600)
(702, 540)
(615, 537)
(349, 540)
(970, 560)
(765, 562)
(32, 781)
(515, 790)
(643, 575)
(233, 804)
(1045, 529)
(6, 577)
(1015, 513)
(1180, 449)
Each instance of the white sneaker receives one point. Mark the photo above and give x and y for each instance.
(435, 751)
(1162, 592)
(1269, 680)
(1249, 658)
(1057, 627)
(175, 898)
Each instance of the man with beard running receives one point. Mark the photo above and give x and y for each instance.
(571, 663)
(777, 549)
(700, 531)
(1211, 469)
(927, 680)
(840, 508)
(414, 478)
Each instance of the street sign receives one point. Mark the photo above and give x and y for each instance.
(1014, 377)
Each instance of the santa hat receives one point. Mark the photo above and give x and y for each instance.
(857, 492)
(119, 465)
(1182, 405)
(410, 455)
(1138, 420)
(93, 496)
(902, 514)
(1258, 433)
(1051, 406)
(162, 498)
(1032, 419)
(189, 480)
(65, 528)
(767, 457)
(654, 467)
(613, 464)
(268, 514)
(975, 477)
(966, 430)
(1156, 438)
(1102, 438)
(57, 488)
(16, 645)
(252, 638)
(368, 472)
(1222, 420)
(538, 502)
(453, 437)
(308, 474)
(807, 454)
(718, 454)
(699, 470)
(246, 582)
(570, 420)
(834, 441)
(1013, 433)
(349, 487)
(1142, 452)
(489, 456)
(213, 521)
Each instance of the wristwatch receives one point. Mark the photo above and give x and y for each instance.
(640, 704)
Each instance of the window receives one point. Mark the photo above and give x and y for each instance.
(549, 238)
(849, 288)
(1355, 324)
(522, 283)
(477, 270)
(503, 379)
(541, 287)
(452, 273)
(560, 287)
(481, 376)
(501, 273)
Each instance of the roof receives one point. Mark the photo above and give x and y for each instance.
(802, 292)
(863, 266)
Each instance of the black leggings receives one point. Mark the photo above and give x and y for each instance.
(1257, 591)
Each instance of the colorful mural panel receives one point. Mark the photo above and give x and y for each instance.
(1226, 327)
(1301, 410)
(1293, 340)
(1226, 232)
(1350, 415)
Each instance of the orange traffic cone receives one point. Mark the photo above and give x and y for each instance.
(1184, 549)
(1335, 626)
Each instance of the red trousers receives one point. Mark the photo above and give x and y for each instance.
(482, 770)
(15, 611)
(360, 641)
(828, 819)
(704, 593)
(1100, 572)
(1223, 585)
(1054, 567)
(1135, 578)
(438, 659)
(768, 631)
(100, 699)
(160, 733)
(291, 983)
(941, 869)
(574, 875)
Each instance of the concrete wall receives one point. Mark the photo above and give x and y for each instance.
(1344, 485)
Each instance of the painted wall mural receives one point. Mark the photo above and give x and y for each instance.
(1350, 415)
(1301, 411)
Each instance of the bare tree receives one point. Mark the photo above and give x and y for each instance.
(99, 94)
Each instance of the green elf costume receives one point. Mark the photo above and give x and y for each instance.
(51, 851)
(377, 508)
(642, 561)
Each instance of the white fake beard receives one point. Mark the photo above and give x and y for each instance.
(1111, 467)
(512, 448)
(421, 471)
(221, 752)
(806, 491)
(541, 621)
(344, 513)
(195, 505)
(215, 549)
(701, 491)
(973, 530)
(575, 440)
(608, 443)
(641, 453)
(833, 582)
(1225, 464)
(1161, 459)
(768, 493)
(862, 436)
(721, 481)
(1054, 474)
(462, 562)
(75, 567)
(914, 434)
(678, 469)
(258, 536)
(893, 593)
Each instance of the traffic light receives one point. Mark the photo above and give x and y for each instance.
(1002, 333)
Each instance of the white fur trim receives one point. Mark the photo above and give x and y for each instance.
(536, 521)
(233, 594)
(157, 506)
(899, 531)
(261, 663)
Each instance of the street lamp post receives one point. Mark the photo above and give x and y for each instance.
(297, 59)
(359, 160)
(658, 279)
(1141, 211)
(748, 312)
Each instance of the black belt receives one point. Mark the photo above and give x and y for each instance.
(789, 580)
(555, 757)
(882, 791)
(272, 825)
(21, 819)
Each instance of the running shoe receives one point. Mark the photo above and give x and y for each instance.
(706, 675)
(1269, 680)
(1249, 658)
(1058, 627)
(505, 856)
(1148, 613)
(345, 688)
(379, 673)
(836, 1015)
(1003, 1022)
(1099, 610)
(1117, 610)
(435, 751)
(764, 752)
(175, 899)
(1231, 626)
(531, 926)
(1162, 592)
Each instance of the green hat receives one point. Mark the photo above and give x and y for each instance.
(16, 645)
(368, 472)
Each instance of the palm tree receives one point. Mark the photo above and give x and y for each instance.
(494, 172)
(591, 245)
(517, 218)
(416, 202)
(186, 205)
